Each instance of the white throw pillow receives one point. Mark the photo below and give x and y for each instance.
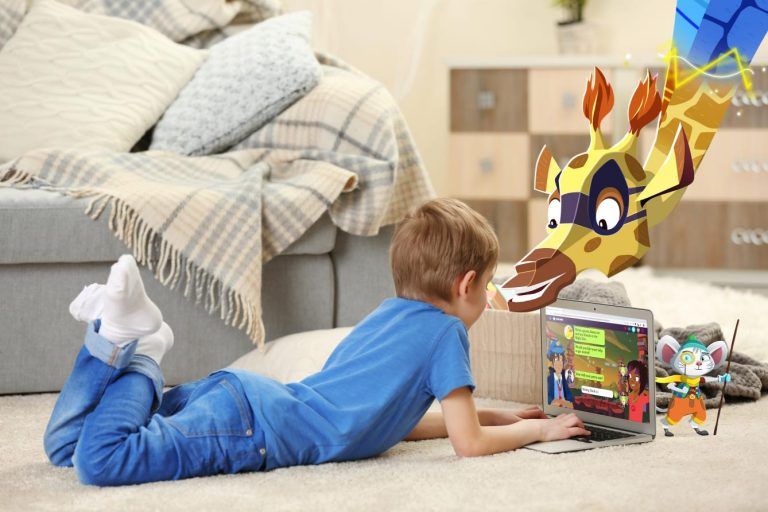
(294, 357)
(72, 79)
(248, 79)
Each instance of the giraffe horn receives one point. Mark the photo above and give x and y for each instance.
(645, 104)
(598, 102)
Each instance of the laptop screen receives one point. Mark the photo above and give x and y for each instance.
(597, 363)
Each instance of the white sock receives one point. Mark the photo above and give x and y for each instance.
(128, 312)
(155, 345)
(89, 304)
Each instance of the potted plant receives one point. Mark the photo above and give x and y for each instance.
(574, 35)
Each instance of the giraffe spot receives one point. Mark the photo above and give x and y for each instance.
(707, 111)
(685, 92)
(686, 127)
(635, 168)
(619, 263)
(697, 160)
(592, 244)
(578, 161)
(641, 234)
(703, 140)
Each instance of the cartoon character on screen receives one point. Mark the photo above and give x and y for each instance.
(604, 201)
(692, 362)
(637, 383)
(558, 391)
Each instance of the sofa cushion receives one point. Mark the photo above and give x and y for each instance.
(39, 226)
(72, 79)
(248, 79)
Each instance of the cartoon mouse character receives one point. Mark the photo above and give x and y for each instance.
(692, 361)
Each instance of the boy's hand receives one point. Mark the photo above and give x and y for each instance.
(507, 416)
(533, 412)
(562, 427)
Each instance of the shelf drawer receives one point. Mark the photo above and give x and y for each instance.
(562, 146)
(750, 111)
(709, 234)
(537, 220)
(556, 97)
(489, 100)
(490, 165)
(508, 219)
(734, 169)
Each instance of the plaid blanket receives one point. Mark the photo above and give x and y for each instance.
(209, 223)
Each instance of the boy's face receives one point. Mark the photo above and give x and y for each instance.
(472, 299)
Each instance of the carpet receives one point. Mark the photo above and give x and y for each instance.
(696, 473)
(687, 472)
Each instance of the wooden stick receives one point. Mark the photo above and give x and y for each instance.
(727, 369)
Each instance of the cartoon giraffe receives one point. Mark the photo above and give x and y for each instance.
(603, 202)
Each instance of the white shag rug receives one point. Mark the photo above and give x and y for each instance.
(687, 472)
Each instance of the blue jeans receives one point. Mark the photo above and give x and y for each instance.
(114, 424)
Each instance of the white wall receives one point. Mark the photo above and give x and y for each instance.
(377, 37)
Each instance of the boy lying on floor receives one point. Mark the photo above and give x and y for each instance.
(113, 422)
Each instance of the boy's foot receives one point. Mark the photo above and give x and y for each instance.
(128, 312)
(89, 304)
(155, 345)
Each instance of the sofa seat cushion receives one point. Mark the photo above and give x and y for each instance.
(40, 226)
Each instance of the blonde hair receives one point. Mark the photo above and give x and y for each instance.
(438, 242)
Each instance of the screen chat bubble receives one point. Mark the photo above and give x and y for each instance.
(588, 335)
(581, 349)
(605, 393)
(597, 377)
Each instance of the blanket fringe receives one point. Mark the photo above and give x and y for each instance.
(170, 267)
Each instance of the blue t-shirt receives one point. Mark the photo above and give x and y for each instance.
(373, 390)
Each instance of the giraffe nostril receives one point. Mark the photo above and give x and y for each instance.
(525, 266)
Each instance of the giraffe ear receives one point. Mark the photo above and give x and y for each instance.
(546, 172)
(675, 173)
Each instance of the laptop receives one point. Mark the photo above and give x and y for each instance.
(597, 362)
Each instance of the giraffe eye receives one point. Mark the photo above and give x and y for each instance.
(553, 213)
(608, 213)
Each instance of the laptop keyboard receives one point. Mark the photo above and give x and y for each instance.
(600, 435)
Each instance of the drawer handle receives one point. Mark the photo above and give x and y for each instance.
(569, 101)
(747, 166)
(486, 165)
(749, 236)
(486, 100)
(743, 100)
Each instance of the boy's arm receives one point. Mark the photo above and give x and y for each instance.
(432, 425)
(470, 439)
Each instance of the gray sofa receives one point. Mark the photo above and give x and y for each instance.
(49, 249)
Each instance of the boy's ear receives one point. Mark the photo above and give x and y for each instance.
(667, 348)
(466, 281)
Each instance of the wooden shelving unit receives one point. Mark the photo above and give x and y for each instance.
(504, 111)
